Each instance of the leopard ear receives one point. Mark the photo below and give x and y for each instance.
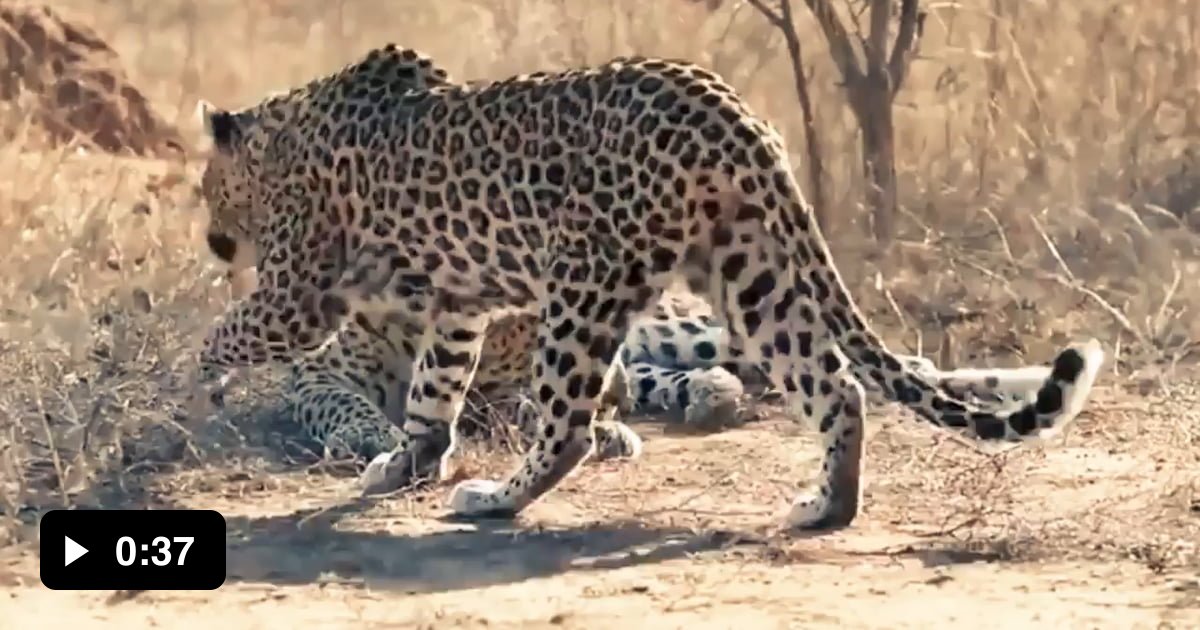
(220, 125)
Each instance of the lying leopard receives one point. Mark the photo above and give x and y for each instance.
(349, 395)
(575, 197)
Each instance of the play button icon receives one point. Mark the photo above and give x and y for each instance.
(72, 551)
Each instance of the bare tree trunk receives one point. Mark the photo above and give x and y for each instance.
(816, 166)
(872, 78)
(879, 163)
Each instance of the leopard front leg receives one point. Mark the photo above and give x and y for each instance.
(344, 422)
(271, 326)
(582, 324)
(343, 411)
(614, 439)
(443, 370)
(267, 326)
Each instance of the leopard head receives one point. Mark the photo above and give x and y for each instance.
(226, 186)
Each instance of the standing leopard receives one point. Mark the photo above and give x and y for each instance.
(349, 395)
(577, 197)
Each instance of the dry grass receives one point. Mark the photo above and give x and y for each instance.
(1048, 154)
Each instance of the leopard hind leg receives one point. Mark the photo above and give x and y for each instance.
(758, 287)
(349, 395)
(344, 422)
(802, 359)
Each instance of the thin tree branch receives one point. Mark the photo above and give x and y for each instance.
(908, 40)
(876, 48)
(785, 12)
(783, 20)
(839, 43)
(774, 18)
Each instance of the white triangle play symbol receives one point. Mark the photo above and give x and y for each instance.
(72, 551)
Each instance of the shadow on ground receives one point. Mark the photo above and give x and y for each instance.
(306, 547)
(320, 546)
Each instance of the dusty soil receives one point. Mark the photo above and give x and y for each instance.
(1097, 531)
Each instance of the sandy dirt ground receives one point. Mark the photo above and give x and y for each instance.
(1097, 531)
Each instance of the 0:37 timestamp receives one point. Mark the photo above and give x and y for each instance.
(127, 550)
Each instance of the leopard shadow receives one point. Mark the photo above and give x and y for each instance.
(306, 547)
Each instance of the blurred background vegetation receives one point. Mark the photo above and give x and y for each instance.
(1044, 149)
(1046, 154)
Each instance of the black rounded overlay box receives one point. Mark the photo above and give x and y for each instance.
(132, 549)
